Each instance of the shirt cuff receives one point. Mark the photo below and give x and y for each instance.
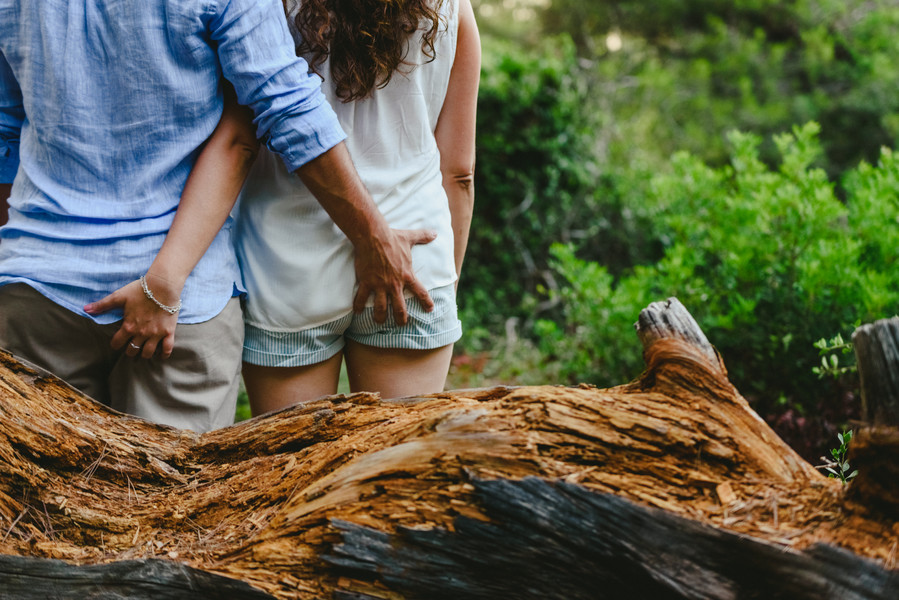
(307, 136)
(9, 161)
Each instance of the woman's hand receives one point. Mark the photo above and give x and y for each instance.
(207, 199)
(145, 327)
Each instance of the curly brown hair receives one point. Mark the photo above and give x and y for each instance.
(365, 39)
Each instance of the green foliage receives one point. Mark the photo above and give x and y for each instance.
(242, 412)
(690, 70)
(838, 467)
(538, 183)
(607, 180)
(767, 260)
(830, 361)
(570, 134)
(534, 172)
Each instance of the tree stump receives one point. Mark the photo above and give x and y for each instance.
(876, 348)
(667, 487)
(875, 447)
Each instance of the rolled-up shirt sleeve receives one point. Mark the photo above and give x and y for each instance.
(292, 115)
(12, 114)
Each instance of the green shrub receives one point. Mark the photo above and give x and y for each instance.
(690, 70)
(532, 179)
(766, 260)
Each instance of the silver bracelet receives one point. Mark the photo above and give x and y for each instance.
(169, 309)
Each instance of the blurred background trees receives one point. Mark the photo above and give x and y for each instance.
(735, 155)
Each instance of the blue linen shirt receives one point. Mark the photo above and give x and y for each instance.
(104, 106)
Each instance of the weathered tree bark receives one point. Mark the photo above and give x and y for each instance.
(876, 348)
(875, 448)
(667, 487)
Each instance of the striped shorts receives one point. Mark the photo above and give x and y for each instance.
(423, 331)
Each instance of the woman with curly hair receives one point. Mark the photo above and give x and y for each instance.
(402, 76)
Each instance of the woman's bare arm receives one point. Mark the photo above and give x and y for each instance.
(455, 131)
(207, 199)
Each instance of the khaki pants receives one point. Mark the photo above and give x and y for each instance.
(196, 388)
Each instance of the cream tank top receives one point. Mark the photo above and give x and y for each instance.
(297, 265)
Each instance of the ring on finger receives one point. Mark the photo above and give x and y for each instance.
(133, 345)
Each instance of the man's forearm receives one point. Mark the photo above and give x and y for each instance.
(383, 256)
(334, 182)
(5, 191)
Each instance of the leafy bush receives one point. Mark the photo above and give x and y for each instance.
(771, 241)
(538, 183)
(532, 178)
(690, 70)
(767, 261)
(571, 132)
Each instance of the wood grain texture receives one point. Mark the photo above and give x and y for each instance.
(26, 578)
(876, 348)
(874, 451)
(265, 501)
(671, 320)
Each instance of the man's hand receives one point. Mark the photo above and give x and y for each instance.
(145, 327)
(383, 255)
(384, 268)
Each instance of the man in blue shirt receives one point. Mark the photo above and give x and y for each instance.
(104, 107)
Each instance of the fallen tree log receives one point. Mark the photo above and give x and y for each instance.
(671, 477)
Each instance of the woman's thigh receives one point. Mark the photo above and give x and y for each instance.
(397, 372)
(404, 360)
(274, 388)
(283, 368)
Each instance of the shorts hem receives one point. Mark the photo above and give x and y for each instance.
(262, 358)
(409, 341)
(309, 346)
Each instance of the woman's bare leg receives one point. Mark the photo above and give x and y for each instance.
(273, 388)
(396, 373)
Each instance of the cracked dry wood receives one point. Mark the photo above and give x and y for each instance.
(261, 502)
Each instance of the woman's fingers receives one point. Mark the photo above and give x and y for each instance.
(134, 347)
(113, 300)
(149, 348)
(168, 346)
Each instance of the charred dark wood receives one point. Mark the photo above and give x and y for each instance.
(25, 578)
(558, 541)
(874, 453)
